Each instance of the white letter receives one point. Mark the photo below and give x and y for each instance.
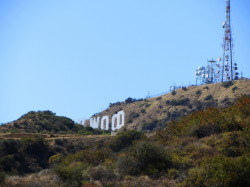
(106, 126)
(94, 122)
(120, 118)
(114, 126)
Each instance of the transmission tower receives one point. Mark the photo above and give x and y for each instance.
(229, 68)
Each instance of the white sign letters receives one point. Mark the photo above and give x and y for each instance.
(118, 120)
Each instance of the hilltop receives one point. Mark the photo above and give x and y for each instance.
(154, 113)
(40, 121)
(45, 122)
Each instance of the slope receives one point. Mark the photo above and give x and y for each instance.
(154, 113)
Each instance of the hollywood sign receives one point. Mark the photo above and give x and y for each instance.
(118, 121)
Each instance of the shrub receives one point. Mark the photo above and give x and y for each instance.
(184, 88)
(34, 146)
(220, 171)
(55, 159)
(206, 88)
(183, 101)
(198, 92)
(24, 156)
(149, 126)
(128, 165)
(173, 173)
(8, 147)
(101, 173)
(129, 121)
(59, 142)
(115, 104)
(144, 158)
(132, 116)
(227, 84)
(173, 92)
(2, 177)
(37, 149)
(233, 144)
(92, 157)
(131, 100)
(226, 101)
(143, 111)
(201, 123)
(9, 164)
(207, 130)
(124, 139)
(158, 98)
(73, 174)
(208, 97)
(234, 88)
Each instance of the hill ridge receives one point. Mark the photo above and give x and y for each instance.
(154, 113)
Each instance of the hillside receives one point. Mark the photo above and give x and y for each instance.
(41, 121)
(206, 148)
(154, 113)
(47, 123)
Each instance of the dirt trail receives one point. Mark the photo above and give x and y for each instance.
(18, 136)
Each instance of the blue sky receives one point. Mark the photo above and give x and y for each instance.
(74, 57)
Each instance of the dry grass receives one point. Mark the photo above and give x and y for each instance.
(145, 181)
(49, 136)
(45, 178)
(159, 110)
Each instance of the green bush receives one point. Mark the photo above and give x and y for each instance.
(73, 174)
(91, 157)
(150, 125)
(158, 98)
(208, 97)
(220, 171)
(206, 88)
(143, 111)
(227, 84)
(24, 156)
(207, 130)
(226, 101)
(234, 88)
(173, 92)
(144, 158)
(37, 149)
(101, 173)
(198, 92)
(2, 177)
(128, 165)
(184, 88)
(183, 101)
(234, 144)
(8, 147)
(132, 100)
(124, 139)
(134, 115)
(173, 173)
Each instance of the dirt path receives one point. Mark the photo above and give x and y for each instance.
(18, 136)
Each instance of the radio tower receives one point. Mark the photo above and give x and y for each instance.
(228, 67)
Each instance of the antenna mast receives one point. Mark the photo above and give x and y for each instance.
(228, 67)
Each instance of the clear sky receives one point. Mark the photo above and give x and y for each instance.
(74, 57)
